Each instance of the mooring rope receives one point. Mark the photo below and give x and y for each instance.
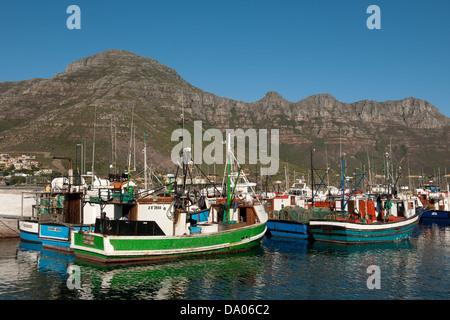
(8, 227)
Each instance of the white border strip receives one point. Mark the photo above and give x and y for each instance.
(364, 226)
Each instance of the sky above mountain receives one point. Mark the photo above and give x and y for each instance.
(243, 49)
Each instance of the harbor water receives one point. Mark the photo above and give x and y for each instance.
(418, 268)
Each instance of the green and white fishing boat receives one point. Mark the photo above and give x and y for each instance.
(178, 223)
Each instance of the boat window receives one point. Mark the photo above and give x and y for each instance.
(128, 228)
(400, 210)
(242, 214)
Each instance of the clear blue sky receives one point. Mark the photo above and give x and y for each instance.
(243, 49)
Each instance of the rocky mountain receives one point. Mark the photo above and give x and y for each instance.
(104, 94)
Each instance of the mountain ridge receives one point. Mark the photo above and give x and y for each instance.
(113, 85)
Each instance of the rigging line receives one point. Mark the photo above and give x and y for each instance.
(8, 227)
(212, 136)
(157, 151)
(213, 184)
(163, 147)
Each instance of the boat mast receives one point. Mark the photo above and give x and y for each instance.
(370, 173)
(93, 145)
(82, 156)
(328, 166)
(228, 177)
(112, 143)
(115, 149)
(185, 160)
(145, 162)
(134, 148)
(312, 178)
(343, 182)
(388, 175)
(131, 140)
(286, 179)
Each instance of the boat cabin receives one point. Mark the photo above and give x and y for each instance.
(362, 207)
(158, 216)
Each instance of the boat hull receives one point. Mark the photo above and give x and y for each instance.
(29, 230)
(436, 216)
(337, 231)
(100, 248)
(287, 229)
(56, 236)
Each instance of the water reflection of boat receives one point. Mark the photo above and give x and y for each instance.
(47, 260)
(30, 246)
(172, 279)
(289, 246)
(54, 261)
(330, 248)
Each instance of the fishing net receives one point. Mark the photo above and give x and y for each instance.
(48, 205)
(304, 215)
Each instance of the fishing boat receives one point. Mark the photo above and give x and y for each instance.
(62, 213)
(284, 218)
(48, 208)
(290, 213)
(293, 222)
(175, 225)
(29, 226)
(53, 217)
(356, 221)
(78, 210)
(438, 204)
(65, 207)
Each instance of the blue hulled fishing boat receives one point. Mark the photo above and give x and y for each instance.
(287, 229)
(290, 213)
(437, 202)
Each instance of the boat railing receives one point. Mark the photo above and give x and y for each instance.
(303, 215)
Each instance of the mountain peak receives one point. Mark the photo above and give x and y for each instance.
(273, 96)
(120, 63)
(321, 97)
(272, 93)
(101, 58)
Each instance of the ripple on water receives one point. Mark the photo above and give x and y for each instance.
(280, 270)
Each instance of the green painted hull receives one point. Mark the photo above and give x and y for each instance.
(121, 249)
